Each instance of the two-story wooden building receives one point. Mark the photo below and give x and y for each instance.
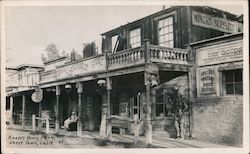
(20, 84)
(140, 64)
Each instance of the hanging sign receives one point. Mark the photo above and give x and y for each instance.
(37, 96)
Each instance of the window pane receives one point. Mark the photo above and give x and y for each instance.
(159, 109)
(238, 76)
(170, 21)
(229, 89)
(229, 76)
(171, 45)
(239, 88)
(135, 37)
(170, 36)
(170, 28)
(135, 111)
(135, 101)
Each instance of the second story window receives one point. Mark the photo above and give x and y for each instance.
(165, 32)
(113, 42)
(135, 38)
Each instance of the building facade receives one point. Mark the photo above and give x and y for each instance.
(143, 67)
(20, 84)
(218, 108)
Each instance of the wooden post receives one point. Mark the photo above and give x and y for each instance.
(147, 50)
(108, 87)
(47, 124)
(11, 110)
(33, 122)
(57, 108)
(79, 123)
(103, 127)
(23, 110)
(137, 129)
(148, 116)
(148, 99)
(40, 115)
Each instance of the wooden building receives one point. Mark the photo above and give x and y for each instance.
(20, 84)
(141, 64)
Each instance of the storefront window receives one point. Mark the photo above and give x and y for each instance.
(165, 32)
(233, 82)
(135, 38)
(136, 105)
(163, 106)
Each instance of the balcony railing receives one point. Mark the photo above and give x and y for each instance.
(126, 58)
(136, 56)
(168, 55)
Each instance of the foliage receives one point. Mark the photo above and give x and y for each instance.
(176, 98)
(51, 53)
(89, 49)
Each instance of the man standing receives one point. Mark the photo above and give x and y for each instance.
(181, 107)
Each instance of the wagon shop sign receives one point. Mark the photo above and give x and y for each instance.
(208, 21)
(222, 53)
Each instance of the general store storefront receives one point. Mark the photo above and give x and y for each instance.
(218, 110)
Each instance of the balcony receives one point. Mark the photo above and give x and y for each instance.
(138, 56)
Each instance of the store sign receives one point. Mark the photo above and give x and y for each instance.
(37, 96)
(221, 53)
(216, 23)
(207, 81)
(82, 67)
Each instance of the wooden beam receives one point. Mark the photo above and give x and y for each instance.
(124, 71)
(174, 67)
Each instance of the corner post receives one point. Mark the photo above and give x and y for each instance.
(79, 122)
(57, 108)
(147, 50)
(148, 93)
(148, 116)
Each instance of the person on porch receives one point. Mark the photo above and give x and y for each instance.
(71, 123)
(179, 118)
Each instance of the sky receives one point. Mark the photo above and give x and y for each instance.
(29, 29)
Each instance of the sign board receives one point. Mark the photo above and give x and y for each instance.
(221, 53)
(216, 23)
(37, 96)
(85, 66)
(207, 79)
